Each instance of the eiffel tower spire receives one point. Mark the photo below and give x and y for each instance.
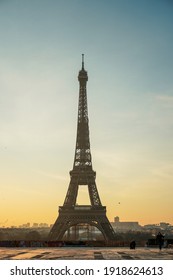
(82, 61)
(82, 173)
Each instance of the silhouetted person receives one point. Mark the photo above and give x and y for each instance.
(133, 244)
(160, 240)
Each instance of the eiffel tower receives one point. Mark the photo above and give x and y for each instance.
(71, 214)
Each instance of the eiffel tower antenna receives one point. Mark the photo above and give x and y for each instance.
(82, 61)
(71, 214)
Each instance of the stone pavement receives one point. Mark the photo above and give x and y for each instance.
(85, 253)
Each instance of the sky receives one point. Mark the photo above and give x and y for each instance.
(129, 59)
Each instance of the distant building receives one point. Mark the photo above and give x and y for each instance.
(27, 225)
(43, 225)
(35, 225)
(161, 226)
(125, 226)
(164, 225)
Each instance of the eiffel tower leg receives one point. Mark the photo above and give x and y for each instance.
(107, 229)
(72, 192)
(58, 229)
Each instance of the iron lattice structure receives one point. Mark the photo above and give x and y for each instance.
(71, 214)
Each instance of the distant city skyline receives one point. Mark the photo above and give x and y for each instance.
(129, 59)
(117, 222)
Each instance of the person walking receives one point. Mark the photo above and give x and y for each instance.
(160, 240)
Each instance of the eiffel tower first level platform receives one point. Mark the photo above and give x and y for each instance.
(72, 215)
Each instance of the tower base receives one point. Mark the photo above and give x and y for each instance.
(83, 214)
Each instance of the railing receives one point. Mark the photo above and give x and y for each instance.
(82, 208)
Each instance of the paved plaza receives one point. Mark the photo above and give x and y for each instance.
(85, 253)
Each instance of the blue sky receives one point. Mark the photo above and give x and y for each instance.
(128, 55)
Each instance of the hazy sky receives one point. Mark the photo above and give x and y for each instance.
(128, 47)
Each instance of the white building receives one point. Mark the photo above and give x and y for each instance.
(125, 226)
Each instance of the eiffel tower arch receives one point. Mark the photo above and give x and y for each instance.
(71, 214)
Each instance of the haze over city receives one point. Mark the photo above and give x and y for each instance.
(128, 56)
